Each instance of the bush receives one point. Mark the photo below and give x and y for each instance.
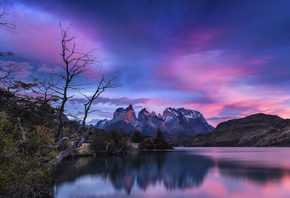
(158, 142)
(147, 143)
(22, 167)
(136, 137)
(113, 143)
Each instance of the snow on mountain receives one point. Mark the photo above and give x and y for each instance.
(102, 123)
(150, 123)
(185, 121)
(122, 119)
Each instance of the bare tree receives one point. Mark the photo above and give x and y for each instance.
(75, 64)
(44, 88)
(4, 21)
(8, 69)
(82, 132)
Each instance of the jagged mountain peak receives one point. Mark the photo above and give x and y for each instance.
(130, 107)
(102, 123)
(181, 112)
(144, 110)
(173, 121)
(125, 114)
(119, 109)
(143, 114)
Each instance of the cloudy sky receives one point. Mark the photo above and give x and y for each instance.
(226, 59)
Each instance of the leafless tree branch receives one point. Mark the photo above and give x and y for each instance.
(8, 70)
(5, 22)
(103, 85)
(74, 64)
(23, 137)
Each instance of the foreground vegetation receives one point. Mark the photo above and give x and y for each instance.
(26, 147)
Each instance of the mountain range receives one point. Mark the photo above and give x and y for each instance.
(172, 122)
(255, 130)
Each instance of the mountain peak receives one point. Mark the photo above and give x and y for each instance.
(144, 110)
(130, 107)
(142, 114)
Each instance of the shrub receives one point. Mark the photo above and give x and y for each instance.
(22, 167)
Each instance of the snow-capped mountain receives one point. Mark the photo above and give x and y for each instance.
(122, 118)
(185, 121)
(102, 123)
(172, 122)
(150, 123)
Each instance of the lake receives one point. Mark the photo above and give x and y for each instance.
(182, 173)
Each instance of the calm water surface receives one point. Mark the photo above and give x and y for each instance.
(182, 173)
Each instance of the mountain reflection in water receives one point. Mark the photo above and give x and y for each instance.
(198, 172)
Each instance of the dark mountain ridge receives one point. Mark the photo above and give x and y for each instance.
(255, 130)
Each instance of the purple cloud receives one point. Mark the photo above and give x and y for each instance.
(112, 101)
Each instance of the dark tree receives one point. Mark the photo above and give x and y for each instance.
(75, 64)
(160, 141)
(136, 137)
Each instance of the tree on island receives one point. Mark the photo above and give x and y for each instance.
(160, 141)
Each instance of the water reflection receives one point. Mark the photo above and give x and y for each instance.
(253, 173)
(182, 173)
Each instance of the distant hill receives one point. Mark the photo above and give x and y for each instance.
(172, 123)
(255, 130)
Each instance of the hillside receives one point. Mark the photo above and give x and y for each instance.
(255, 130)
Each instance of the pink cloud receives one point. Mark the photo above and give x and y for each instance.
(24, 40)
(207, 71)
(202, 38)
(248, 102)
(36, 37)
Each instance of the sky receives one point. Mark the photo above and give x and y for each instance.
(227, 59)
